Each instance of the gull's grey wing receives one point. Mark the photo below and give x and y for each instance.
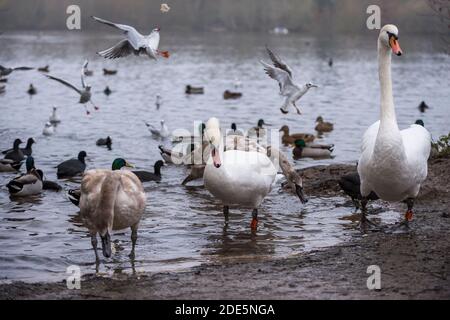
(83, 71)
(67, 84)
(277, 62)
(122, 49)
(287, 87)
(133, 36)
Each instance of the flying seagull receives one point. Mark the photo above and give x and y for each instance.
(7, 71)
(84, 92)
(281, 72)
(134, 43)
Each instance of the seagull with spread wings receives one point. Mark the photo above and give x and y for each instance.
(84, 92)
(134, 43)
(281, 72)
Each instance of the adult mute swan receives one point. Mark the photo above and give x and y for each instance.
(393, 163)
(241, 172)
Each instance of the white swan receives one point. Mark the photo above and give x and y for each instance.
(242, 174)
(393, 163)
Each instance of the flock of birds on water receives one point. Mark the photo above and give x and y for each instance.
(239, 167)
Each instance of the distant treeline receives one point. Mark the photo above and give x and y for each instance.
(314, 16)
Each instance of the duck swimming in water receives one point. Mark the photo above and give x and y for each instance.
(27, 184)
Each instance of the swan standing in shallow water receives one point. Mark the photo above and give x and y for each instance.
(111, 200)
(393, 163)
(244, 173)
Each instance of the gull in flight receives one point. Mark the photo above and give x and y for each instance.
(134, 43)
(84, 92)
(281, 72)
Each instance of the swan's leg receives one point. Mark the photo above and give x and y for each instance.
(94, 246)
(408, 214)
(133, 240)
(226, 211)
(254, 224)
(364, 221)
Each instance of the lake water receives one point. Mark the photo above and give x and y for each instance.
(184, 226)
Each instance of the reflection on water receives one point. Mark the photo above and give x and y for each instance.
(184, 226)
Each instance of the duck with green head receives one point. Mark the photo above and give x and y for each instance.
(301, 150)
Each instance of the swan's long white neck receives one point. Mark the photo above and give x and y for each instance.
(387, 99)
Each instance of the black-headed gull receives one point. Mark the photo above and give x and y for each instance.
(84, 92)
(134, 43)
(281, 72)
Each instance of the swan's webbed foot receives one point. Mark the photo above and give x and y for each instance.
(365, 222)
(284, 111)
(254, 224)
(408, 216)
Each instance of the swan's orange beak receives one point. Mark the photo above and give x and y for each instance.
(395, 46)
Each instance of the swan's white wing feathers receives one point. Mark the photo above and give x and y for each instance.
(369, 138)
(417, 144)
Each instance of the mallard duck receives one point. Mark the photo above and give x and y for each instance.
(31, 90)
(15, 154)
(351, 185)
(111, 200)
(289, 139)
(243, 172)
(194, 90)
(227, 95)
(301, 150)
(322, 126)
(27, 184)
(7, 165)
(54, 119)
(27, 151)
(104, 142)
(73, 167)
(107, 72)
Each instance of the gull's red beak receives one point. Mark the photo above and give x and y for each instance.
(395, 46)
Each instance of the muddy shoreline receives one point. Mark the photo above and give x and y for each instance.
(414, 264)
